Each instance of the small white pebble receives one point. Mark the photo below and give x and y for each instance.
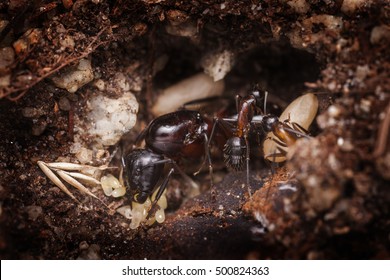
(99, 84)
(110, 118)
(334, 111)
(74, 78)
(218, 64)
(195, 87)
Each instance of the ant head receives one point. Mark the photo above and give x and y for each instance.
(269, 122)
(234, 153)
(257, 95)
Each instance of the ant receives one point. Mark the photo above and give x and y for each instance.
(180, 134)
(250, 115)
(236, 148)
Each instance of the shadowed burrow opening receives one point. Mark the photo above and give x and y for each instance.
(275, 66)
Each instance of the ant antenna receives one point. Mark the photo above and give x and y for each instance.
(265, 102)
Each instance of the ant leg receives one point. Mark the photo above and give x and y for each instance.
(164, 185)
(277, 141)
(141, 136)
(274, 155)
(222, 123)
(265, 102)
(247, 166)
(238, 101)
(298, 127)
(161, 189)
(186, 178)
(207, 157)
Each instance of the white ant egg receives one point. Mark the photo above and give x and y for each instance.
(160, 216)
(112, 186)
(301, 111)
(125, 211)
(119, 192)
(138, 212)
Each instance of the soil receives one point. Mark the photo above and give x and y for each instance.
(330, 200)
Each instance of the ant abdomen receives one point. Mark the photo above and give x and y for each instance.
(177, 134)
(235, 153)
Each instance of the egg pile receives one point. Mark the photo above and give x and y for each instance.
(136, 212)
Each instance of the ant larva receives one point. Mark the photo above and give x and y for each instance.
(292, 125)
(73, 173)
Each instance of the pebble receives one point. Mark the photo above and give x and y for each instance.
(33, 212)
(64, 104)
(218, 64)
(110, 118)
(75, 77)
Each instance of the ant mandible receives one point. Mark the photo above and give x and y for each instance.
(181, 134)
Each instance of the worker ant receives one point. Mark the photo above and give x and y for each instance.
(250, 116)
(168, 138)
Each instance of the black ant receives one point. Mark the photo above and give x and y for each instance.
(236, 148)
(168, 138)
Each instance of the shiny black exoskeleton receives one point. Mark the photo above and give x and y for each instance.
(181, 134)
(178, 134)
(142, 172)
